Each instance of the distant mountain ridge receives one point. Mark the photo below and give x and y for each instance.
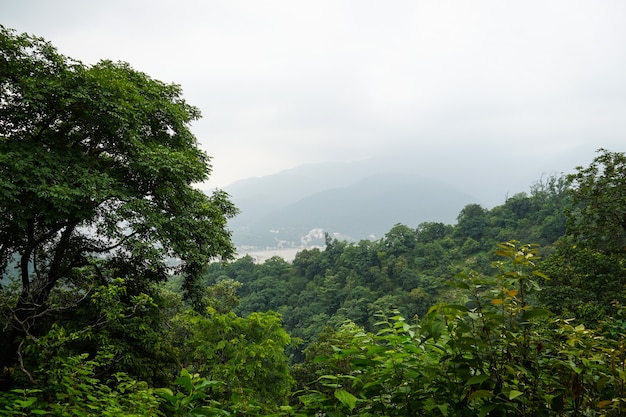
(258, 197)
(342, 199)
(363, 199)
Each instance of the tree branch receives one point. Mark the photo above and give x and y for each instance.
(21, 362)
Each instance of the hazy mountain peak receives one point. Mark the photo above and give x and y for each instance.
(352, 200)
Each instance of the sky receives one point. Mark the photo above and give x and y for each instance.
(479, 89)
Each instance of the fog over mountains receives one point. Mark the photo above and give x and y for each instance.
(364, 199)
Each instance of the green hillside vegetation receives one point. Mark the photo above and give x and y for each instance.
(407, 270)
(517, 310)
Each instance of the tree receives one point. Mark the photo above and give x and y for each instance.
(587, 268)
(471, 222)
(247, 354)
(428, 232)
(492, 353)
(598, 219)
(97, 165)
(400, 240)
(584, 283)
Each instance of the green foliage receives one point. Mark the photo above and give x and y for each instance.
(471, 222)
(589, 264)
(97, 165)
(96, 199)
(405, 270)
(246, 354)
(585, 283)
(222, 296)
(492, 355)
(130, 327)
(598, 219)
(69, 386)
(192, 397)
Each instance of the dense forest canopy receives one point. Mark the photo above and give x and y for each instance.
(516, 310)
(407, 270)
(96, 167)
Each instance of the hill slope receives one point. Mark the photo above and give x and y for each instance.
(282, 210)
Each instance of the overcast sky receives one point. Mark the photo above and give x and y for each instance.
(282, 83)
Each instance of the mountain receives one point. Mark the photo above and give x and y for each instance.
(294, 208)
(258, 197)
(363, 199)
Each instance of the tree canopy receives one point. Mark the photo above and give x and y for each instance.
(589, 265)
(598, 218)
(97, 167)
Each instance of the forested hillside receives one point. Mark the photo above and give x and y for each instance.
(407, 270)
(517, 310)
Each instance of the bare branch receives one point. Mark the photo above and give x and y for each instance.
(21, 362)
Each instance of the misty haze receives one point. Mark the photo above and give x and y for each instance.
(313, 209)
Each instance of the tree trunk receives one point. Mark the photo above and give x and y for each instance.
(8, 357)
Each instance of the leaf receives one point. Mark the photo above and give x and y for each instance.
(604, 403)
(541, 275)
(486, 409)
(514, 394)
(185, 380)
(574, 368)
(435, 329)
(477, 379)
(27, 402)
(481, 393)
(512, 293)
(165, 391)
(208, 383)
(346, 398)
(457, 307)
(534, 313)
(321, 359)
(458, 284)
(497, 301)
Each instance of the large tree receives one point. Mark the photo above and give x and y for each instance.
(598, 218)
(588, 268)
(97, 167)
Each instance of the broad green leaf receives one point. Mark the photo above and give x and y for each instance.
(457, 307)
(321, 359)
(574, 367)
(458, 284)
(486, 409)
(185, 381)
(208, 383)
(477, 379)
(481, 393)
(346, 399)
(514, 394)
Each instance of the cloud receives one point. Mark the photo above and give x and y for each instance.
(281, 83)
